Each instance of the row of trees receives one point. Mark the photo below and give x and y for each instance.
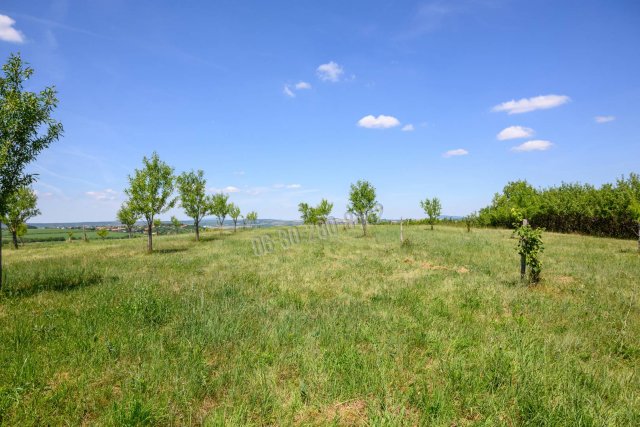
(610, 210)
(151, 193)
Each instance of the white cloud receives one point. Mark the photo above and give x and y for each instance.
(457, 152)
(525, 105)
(7, 32)
(228, 189)
(604, 119)
(303, 85)
(107, 194)
(330, 71)
(380, 122)
(515, 132)
(293, 186)
(287, 91)
(533, 145)
(407, 128)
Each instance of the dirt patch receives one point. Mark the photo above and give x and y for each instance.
(348, 413)
(58, 379)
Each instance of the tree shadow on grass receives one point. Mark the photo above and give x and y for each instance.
(169, 250)
(43, 281)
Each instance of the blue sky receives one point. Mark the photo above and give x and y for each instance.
(283, 102)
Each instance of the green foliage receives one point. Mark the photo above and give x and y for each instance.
(529, 245)
(20, 206)
(176, 223)
(252, 217)
(26, 126)
(127, 217)
(150, 191)
(432, 208)
(70, 234)
(219, 207)
(471, 220)
(570, 208)
(102, 233)
(234, 213)
(362, 202)
(315, 215)
(193, 198)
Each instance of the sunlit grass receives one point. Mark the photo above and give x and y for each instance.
(346, 330)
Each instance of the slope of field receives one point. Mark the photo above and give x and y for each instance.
(346, 330)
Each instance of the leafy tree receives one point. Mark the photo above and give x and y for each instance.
(234, 213)
(21, 206)
(128, 218)
(26, 128)
(432, 208)
(70, 235)
(471, 220)
(102, 233)
(176, 223)
(252, 217)
(635, 212)
(362, 202)
(22, 230)
(220, 207)
(530, 245)
(150, 192)
(315, 215)
(191, 187)
(156, 224)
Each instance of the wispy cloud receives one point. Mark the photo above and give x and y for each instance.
(104, 195)
(380, 122)
(228, 189)
(533, 145)
(526, 105)
(456, 152)
(7, 31)
(604, 119)
(287, 91)
(330, 72)
(303, 85)
(408, 128)
(515, 132)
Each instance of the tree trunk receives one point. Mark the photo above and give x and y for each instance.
(432, 226)
(234, 226)
(150, 237)
(197, 224)
(14, 237)
(0, 256)
(364, 224)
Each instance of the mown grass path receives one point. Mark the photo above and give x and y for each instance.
(345, 331)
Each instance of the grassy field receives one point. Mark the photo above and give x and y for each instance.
(342, 331)
(55, 234)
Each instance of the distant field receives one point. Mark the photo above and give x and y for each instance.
(341, 331)
(55, 234)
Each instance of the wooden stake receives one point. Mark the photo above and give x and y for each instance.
(523, 259)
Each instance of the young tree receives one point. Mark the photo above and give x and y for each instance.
(176, 224)
(21, 206)
(234, 213)
(315, 215)
(252, 217)
(156, 224)
(194, 201)
(128, 218)
(220, 207)
(26, 128)
(362, 202)
(635, 212)
(150, 192)
(432, 208)
(470, 220)
(102, 233)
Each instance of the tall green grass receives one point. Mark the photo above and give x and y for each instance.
(345, 331)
